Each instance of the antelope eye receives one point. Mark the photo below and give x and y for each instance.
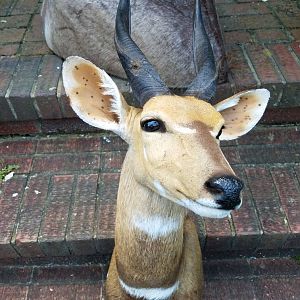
(220, 132)
(153, 125)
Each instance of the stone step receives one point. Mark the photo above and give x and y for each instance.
(226, 279)
(61, 200)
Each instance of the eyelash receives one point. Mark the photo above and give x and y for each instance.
(220, 132)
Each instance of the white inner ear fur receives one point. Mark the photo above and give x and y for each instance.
(242, 112)
(94, 96)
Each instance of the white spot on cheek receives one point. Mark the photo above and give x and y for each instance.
(185, 130)
(145, 154)
(151, 293)
(159, 188)
(156, 226)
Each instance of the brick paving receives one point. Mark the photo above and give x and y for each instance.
(226, 279)
(61, 201)
(261, 39)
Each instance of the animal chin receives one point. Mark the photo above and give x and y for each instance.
(204, 210)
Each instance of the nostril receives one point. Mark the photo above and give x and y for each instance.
(230, 186)
(213, 188)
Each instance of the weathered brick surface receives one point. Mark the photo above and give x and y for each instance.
(14, 21)
(46, 86)
(14, 292)
(271, 35)
(35, 30)
(273, 220)
(55, 219)
(242, 9)
(29, 48)
(23, 81)
(10, 200)
(25, 7)
(16, 275)
(112, 161)
(81, 222)
(33, 206)
(17, 128)
(17, 147)
(11, 35)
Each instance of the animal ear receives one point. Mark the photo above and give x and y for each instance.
(242, 112)
(94, 96)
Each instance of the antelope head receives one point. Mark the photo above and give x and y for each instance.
(174, 140)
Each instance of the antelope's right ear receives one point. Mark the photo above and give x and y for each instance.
(94, 96)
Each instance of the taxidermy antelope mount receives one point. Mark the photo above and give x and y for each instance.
(174, 162)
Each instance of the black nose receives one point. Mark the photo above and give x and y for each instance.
(227, 189)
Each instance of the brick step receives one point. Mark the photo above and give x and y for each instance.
(61, 200)
(234, 279)
(262, 50)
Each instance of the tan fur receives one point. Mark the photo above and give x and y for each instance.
(163, 174)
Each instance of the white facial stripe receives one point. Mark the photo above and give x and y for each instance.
(204, 211)
(151, 293)
(156, 226)
(160, 189)
(145, 154)
(185, 130)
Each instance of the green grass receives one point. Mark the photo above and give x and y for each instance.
(6, 170)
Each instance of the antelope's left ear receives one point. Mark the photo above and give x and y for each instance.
(242, 112)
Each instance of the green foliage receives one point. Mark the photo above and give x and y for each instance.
(6, 170)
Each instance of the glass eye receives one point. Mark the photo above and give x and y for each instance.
(220, 132)
(153, 125)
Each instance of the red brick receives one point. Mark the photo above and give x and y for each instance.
(81, 225)
(274, 266)
(15, 21)
(226, 268)
(66, 126)
(242, 9)
(55, 219)
(296, 34)
(19, 275)
(113, 143)
(66, 274)
(263, 65)
(248, 22)
(240, 70)
(14, 292)
(65, 163)
(237, 37)
(286, 62)
(271, 35)
(7, 68)
(81, 291)
(108, 187)
(27, 127)
(20, 93)
(35, 30)
(289, 193)
(281, 115)
(296, 48)
(34, 200)
(271, 135)
(10, 200)
(67, 144)
(9, 50)
(277, 288)
(219, 236)
(24, 163)
(105, 221)
(16, 147)
(64, 101)
(11, 35)
(273, 220)
(267, 154)
(112, 161)
(25, 7)
(246, 222)
(46, 85)
(223, 289)
(35, 48)
(232, 155)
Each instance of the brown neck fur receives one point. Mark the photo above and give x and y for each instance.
(141, 260)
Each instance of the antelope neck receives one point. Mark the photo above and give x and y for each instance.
(149, 234)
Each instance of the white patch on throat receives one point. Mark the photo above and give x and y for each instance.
(151, 293)
(156, 226)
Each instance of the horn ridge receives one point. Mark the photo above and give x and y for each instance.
(144, 80)
(205, 83)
